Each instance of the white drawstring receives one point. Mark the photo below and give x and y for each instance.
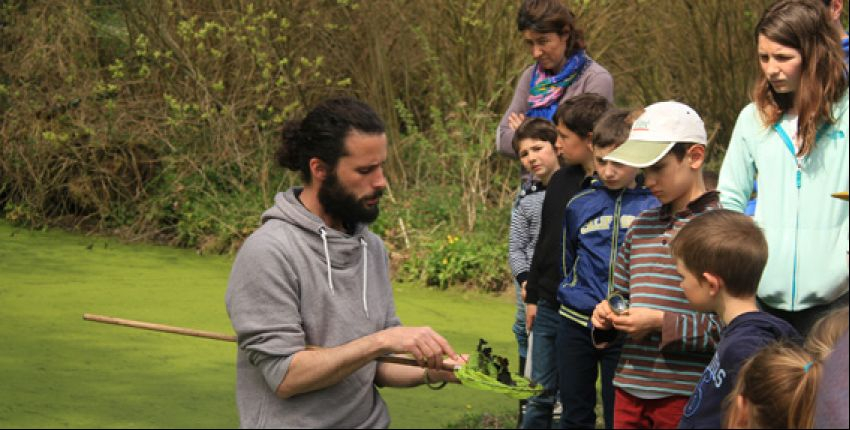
(327, 257)
(365, 268)
(365, 284)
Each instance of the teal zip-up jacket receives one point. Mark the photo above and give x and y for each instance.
(806, 229)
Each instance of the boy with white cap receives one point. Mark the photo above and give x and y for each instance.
(668, 343)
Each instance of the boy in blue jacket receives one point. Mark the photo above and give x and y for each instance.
(721, 255)
(595, 223)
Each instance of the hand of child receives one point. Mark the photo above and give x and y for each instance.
(522, 290)
(601, 317)
(515, 120)
(530, 313)
(638, 322)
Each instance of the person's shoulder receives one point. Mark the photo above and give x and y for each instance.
(270, 234)
(759, 328)
(531, 193)
(525, 76)
(585, 198)
(841, 108)
(272, 244)
(594, 68)
(648, 216)
(750, 117)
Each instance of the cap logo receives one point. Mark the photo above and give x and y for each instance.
(641, 124)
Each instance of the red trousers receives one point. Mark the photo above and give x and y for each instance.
(631, 412)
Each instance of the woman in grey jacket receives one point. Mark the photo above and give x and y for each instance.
(561, 68)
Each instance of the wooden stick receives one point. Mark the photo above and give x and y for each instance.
(397, 359)
(159, 327)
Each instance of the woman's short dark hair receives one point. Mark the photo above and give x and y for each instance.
(550, 16)
(321, 134)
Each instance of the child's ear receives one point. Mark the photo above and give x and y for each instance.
(696, 156)
(740, 414)
(713, 282)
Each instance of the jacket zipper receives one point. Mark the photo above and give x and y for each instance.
(798, 183)
(614, 239)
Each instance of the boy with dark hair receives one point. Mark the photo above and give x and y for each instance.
(668, 344)
(574, 119)
(595, 223)
(721, 255)
(535, 144)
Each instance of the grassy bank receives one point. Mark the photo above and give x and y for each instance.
(61, 372)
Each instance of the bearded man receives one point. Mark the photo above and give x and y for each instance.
(313, 274)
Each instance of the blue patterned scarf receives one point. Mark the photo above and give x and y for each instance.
(547, 90)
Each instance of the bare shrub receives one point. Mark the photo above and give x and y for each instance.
(157, 120)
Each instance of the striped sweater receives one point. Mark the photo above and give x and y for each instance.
(525, 226)
(670, 362)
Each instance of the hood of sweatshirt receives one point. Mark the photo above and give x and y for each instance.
(335, 249)
(297, 282)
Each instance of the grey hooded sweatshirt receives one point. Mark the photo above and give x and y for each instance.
(297, 282)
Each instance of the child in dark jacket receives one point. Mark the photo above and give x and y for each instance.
(721, 255)
(595, 223)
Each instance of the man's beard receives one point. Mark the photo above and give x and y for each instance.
(339, 203)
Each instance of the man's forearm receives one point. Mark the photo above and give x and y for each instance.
(312, 370)
(397, 375)
(402, 376)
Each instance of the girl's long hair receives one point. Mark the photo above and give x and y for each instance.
(805, 26)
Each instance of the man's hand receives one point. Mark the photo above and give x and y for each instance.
(638, 322)
(426, 345)
(445, 375)
(530, 314)
(601, 317)
(515, 120)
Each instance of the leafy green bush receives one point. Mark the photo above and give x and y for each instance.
(157, 120)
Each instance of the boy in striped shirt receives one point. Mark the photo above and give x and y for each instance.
(668, 344)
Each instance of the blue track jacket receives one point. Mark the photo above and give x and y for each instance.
(595, 223)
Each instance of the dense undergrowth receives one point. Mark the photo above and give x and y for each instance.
(156, 121)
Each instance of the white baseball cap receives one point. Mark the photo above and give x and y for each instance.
(654, 133)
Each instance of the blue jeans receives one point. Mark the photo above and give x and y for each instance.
(579, 363)
(519, 324)
(544, 367)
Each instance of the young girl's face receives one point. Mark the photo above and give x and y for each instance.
(538, 157)
(781, 65)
